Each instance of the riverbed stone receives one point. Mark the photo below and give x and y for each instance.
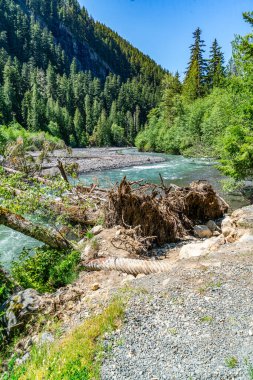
(46, 337)
(243, 217)
(202, 231)
(96, 230)
(212, 226)
(20, 308)
(200, 248)
(90, 251)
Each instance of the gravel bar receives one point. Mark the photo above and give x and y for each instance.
(98, 159)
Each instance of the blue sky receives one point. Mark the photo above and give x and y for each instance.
(163, 28)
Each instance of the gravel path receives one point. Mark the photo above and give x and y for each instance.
(193, 324)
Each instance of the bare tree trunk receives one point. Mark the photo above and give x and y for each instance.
(48, 236)
(62, 171)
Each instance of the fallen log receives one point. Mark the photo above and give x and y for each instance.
(47, 236)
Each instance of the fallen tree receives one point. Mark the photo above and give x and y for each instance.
(48, 236)
(149, 214)
(167, 214)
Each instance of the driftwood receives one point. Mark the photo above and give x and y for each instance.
(166, 214)
(46, 235)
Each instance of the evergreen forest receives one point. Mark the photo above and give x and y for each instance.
(64, 73)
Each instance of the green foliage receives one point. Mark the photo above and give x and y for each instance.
(215, 67)
(194, 83)
(47, 270)
(6, 286)
(231, 362)
(213, 114)
(31, 140)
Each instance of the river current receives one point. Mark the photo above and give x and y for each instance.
(176, 169)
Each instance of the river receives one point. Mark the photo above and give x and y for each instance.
(176, 169)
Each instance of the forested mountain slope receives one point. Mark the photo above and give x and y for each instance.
(63, 72)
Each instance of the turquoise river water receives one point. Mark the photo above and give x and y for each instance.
(176, 169)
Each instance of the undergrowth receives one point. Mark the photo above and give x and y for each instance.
(47, 270)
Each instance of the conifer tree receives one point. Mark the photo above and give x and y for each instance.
(80, 129)
(215, 68)
(194, 83)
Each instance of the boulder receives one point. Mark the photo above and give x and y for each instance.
(202, 231)
(226, 223)
(201, 248)
(96, 230)
(212, 226)
(20, 308)
(243, 218)
(91, 250)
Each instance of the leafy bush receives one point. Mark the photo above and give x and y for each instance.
(47, 270)
(31, 140)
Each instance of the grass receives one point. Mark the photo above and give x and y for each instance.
(209, 286)
(77, 356)
(249, 368)
(206, 319)
(173, 331)
(231, 362)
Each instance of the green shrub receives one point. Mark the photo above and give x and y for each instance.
(47, 270)
(31, 140)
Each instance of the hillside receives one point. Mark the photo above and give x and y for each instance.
(62, 72)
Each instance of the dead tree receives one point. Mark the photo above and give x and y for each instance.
(49, 236)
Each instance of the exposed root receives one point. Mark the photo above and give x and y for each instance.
(165, 214)
(131, 240)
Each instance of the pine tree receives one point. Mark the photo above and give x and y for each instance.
(80, 129)
(33, 117)
(194, 83)
(215, 68)
(88, 114)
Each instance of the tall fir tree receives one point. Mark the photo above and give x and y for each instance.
(195, 79)
(215, 68)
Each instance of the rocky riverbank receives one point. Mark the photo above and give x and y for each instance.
(97, 159)
(194, 321)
